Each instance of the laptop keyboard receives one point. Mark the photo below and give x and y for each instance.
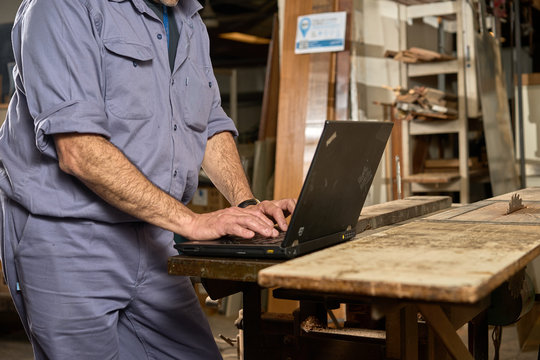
(257, 239)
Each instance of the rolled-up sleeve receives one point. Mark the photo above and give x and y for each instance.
(61, 120)
(219, 121)
(61, 71)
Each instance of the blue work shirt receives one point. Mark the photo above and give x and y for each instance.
(102, 67)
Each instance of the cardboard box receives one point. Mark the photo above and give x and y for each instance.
(207, 199)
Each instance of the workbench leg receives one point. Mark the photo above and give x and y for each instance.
(436, 350)
(479, 336)
(438, 321)
(402, 333)
(253, 345)
(409, 329)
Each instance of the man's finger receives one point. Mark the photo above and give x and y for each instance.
(288, 204)
(272, 209)
(251, 222)
(260, 213)
(238, 230)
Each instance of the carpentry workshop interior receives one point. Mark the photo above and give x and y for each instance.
(441, 102)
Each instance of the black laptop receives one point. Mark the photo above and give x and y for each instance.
(327, 211)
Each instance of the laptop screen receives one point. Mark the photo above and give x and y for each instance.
(339, 179)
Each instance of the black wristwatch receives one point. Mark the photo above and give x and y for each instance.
(248, 202)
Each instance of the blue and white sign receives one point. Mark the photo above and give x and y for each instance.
(321, 32)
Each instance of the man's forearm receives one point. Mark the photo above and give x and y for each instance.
(223, 166)
(107, 172)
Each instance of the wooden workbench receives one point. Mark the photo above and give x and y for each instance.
(455, 257)
(226, 276)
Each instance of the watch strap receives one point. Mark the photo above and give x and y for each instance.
(248, 202)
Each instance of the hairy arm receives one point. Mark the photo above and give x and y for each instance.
(105, 170)
(223, 166)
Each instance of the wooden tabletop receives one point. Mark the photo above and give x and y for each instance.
(459, 256)
(246, 270)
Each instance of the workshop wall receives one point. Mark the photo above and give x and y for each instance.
(8, 9)
(376, 30)
(372, 76)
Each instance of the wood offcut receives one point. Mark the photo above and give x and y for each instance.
(417, 55)
(425, 103)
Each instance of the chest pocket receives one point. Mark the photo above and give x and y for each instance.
(129, 79)
(198, 96)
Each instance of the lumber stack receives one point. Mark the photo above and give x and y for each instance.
(475, 164)
(426, 103)
(416, 2)
(416, 55)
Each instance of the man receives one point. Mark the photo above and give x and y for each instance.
(116, 108)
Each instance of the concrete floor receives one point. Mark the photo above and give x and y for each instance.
(14, 346)
(509, 346)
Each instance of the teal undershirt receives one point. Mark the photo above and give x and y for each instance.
(174, 33)
(174, 36)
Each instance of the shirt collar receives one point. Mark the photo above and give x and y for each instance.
(189, 7)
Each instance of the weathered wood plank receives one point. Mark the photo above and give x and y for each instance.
(396, 211)
(432, 178)
(218, 268)
(320, 91)
(432, 261)
(293, 100)
(269, 110)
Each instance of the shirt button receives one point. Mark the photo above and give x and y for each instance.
(159, 36)
(209, 84)
(135, 64)
(175, 173)
(172, 82)
(175, 127)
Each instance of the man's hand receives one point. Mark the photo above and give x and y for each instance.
(277, 210)
(240, 222)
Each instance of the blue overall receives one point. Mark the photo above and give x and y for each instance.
(92, 279)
